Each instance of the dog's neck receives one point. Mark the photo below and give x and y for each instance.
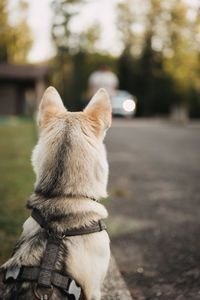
(68, 211)
(40, 201)
(61, 195)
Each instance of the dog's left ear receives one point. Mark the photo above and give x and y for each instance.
(99, 109)
(50, 105)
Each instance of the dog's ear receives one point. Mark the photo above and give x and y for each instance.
(99, 109)
(50, 105)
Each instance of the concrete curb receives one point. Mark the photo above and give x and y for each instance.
(114, 287)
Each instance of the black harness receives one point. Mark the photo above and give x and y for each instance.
(45, 275)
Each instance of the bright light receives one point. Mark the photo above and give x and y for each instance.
(129, 105)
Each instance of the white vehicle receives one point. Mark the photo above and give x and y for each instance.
(123, 104)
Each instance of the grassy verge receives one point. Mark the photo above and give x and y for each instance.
(17, 138)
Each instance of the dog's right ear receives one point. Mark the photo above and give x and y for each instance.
(100, 111)
(50, 105)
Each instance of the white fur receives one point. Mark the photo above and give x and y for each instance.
(85, 176)
(98, 97)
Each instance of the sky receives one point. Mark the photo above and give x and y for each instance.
(39, 20)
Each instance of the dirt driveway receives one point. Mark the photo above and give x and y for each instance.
(155, 207)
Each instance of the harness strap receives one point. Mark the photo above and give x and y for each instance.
(46, 275)
(24, 273)
(32, 273)
(95, 227)
(36, 215)
(60, 281)
(29, 273)
(48, 262)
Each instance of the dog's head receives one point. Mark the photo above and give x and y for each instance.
(70, 157)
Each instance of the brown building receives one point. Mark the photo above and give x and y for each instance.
(21, 88)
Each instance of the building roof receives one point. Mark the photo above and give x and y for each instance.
(23, 72)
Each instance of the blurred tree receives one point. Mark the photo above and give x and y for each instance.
(162, 51)
(77, 54)
(126, 18)
(64, 38)
(65, 44)
(3, 30)
(182, 62)
(15, 41)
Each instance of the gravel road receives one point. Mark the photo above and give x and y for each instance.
(154, 207)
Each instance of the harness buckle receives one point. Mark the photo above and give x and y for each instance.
(12, 273)
(59, 236)
(73, 290)
(42, 294)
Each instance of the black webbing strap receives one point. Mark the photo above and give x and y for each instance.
(60, 281)
(95, 227)
(29, 273)
(48, 262)
(32, 274)
(64, 282)
(46, 275)
(36, 215)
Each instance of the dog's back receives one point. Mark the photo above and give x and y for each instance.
(71, 176)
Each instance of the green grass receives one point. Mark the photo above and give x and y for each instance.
(17, 138)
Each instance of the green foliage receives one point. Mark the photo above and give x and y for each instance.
(161, 62)
(71, 74)
(15, 41)
(17, 140)
(145, 78)
(76, 54)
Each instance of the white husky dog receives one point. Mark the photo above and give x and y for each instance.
(71, 176)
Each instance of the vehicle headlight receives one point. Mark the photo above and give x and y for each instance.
(129, 105)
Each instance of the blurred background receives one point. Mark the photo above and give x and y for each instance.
(147, 54)
(151, 45)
